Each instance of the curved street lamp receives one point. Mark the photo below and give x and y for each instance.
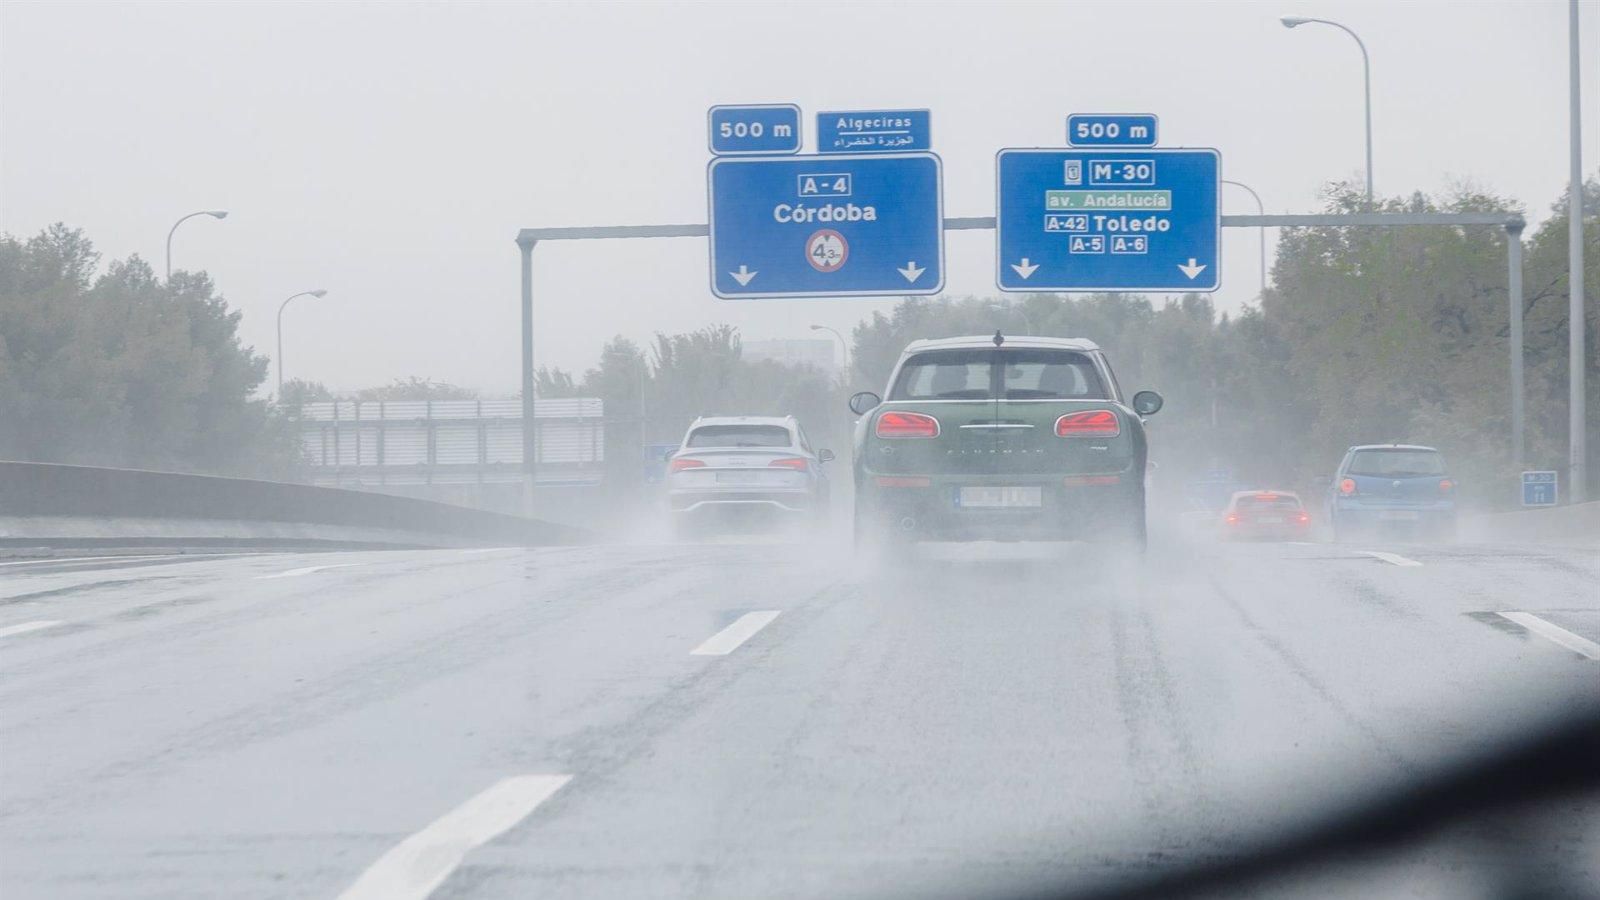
(844, 348)
(1366, 75)
(213, 213)
(319, 293)
(1260, 211)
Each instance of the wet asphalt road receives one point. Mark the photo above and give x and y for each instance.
(757, 719)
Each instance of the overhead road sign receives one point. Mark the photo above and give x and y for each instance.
(754, 130)
(1111, 130)
(826, 226)
(874, 131)
(1124, 220)
(1539, 489)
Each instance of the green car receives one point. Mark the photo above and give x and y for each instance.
(1001, 438)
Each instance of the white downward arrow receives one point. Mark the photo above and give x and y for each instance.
(1191, 269)
(911, 271)
(1024, 269)
(744, 274)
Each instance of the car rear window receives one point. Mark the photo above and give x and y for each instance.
(1278, 501)
(1019, 374)
(1390, 463)
(739, 436)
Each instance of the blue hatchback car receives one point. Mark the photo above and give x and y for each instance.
(1392, 487)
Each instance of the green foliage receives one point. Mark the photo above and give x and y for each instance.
(122, 369)
(413, 387)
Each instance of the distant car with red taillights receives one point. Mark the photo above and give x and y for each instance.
(1265, 515)
(748, 464)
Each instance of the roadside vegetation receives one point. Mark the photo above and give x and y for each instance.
(1364, 335)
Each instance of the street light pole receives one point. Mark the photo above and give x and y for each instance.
(844, 348)
(1366, 77)
(213, 213)
(1260, 210)
(1577, 419)
(316, 293)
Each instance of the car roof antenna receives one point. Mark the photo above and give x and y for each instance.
(998, 338)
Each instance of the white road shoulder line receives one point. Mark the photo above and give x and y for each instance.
(728, 639)
(420, 863)
(25, 627)
(1393, 559)
(1555, 633)
(42, 560)
(293, 573)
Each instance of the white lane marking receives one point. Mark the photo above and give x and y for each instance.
(728, 639)
(26, 627)
(1555, 633)
(1393, 559)
(70, 559)
(421, 862)
(292, 573)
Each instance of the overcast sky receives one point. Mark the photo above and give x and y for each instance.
(388, 152)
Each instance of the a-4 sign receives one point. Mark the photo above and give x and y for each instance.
(1107, 220)
(826, 226)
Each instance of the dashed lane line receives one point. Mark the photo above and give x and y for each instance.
(1580, 645)
(307, 570)
(1393, 559)
(420, 863)
(25, 627)
(728, 639)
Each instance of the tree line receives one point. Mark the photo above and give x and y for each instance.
(1366, 335)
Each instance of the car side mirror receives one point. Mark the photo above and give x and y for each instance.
(864, 402)
(1147, 403)
(824, 455)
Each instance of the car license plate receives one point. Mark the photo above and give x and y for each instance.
(1271, 520)
(739, 477)
(1008, 497)
(1398, 515)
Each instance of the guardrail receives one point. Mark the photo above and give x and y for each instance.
(36, 497)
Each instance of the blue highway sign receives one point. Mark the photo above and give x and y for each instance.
(754, 130)
(1113, 130)
(826, 226)
(874, 131)
(1122, 220)
(1539, 489)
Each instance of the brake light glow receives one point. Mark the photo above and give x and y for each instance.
(678, 465)
(1233, 518)
(1446, 485)
(1090, 423)
(1303, 518)
(903, 481)
(896, 424)
(1347, 486)
(789, 462)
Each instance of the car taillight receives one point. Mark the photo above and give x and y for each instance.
(1302, 518)
(790, 462)
(1090, 423)
(1233, 518)
(1347, 486)
(678, 465)
(894, 424)
(1446, 485)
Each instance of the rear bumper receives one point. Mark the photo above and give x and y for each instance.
(691, 502)
(1065, 512)
(1398, 516)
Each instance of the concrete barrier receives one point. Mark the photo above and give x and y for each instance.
(1577, 525)
(62, 505)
